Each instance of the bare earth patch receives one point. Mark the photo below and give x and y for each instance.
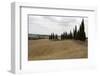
(44, 49)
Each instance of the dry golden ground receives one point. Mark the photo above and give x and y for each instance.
(44, 49)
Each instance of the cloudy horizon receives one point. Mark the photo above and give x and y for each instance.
(54, 24)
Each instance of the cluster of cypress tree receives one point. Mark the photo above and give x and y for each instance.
(65, 35)
(80, 34)
(77, 34)
(53, 36)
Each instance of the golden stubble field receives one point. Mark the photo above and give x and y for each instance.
(44, 49)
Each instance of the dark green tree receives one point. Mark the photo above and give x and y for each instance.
(75, 33)
(56, 37)
(49, 37)
(62, 36)
(70, 35)
(53, 36)
(81, 32)
(65, 35)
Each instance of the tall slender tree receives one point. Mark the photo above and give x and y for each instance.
(70, 35)
(81, 32)
(56, 37)
(52, 35)
(75, 33)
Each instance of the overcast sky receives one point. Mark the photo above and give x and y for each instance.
(49, 24)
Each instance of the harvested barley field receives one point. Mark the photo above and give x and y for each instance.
(44, 49)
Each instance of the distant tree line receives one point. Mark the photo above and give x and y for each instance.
(53, 36)
(77, 34)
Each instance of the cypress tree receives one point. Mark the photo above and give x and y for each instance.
(75, 33)
(49, 37)
(70, 35)
(52, 36)
(81, 32)
(66, 35)
(56, 37)
(61, 36)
